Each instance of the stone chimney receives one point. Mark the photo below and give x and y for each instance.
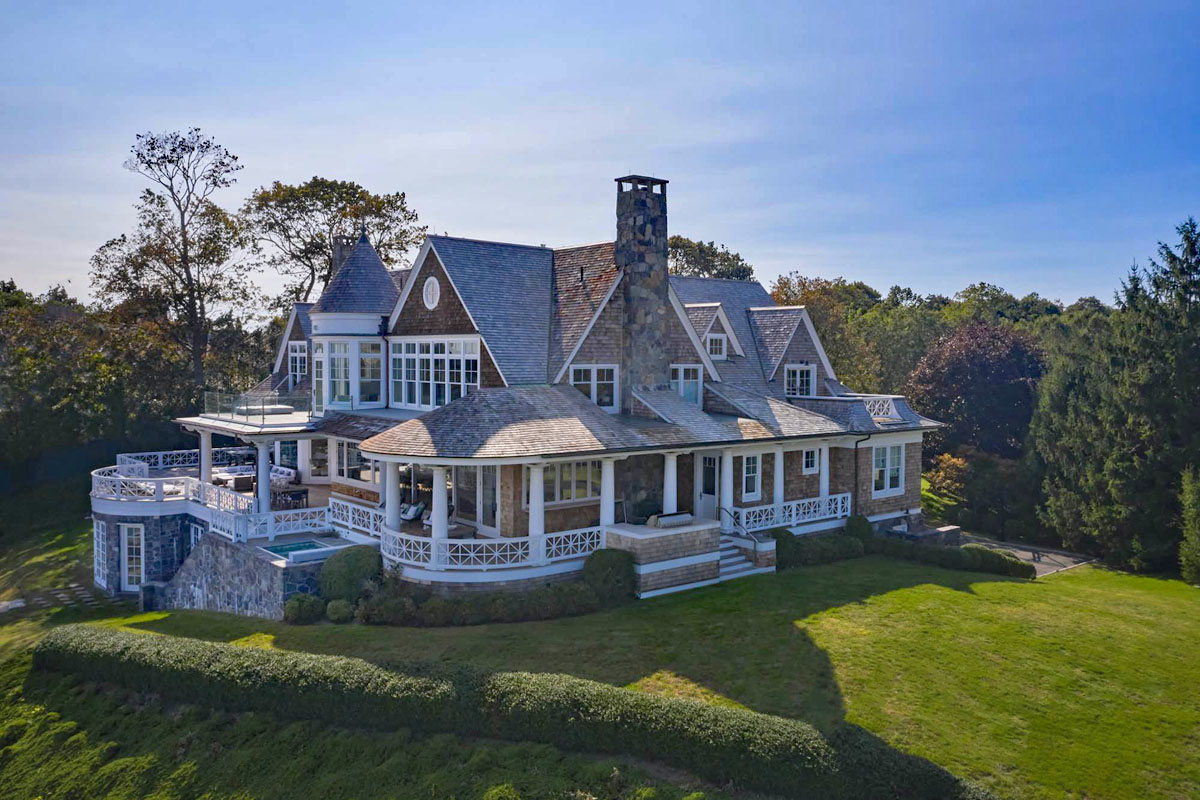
(342, 245)
(641, 251)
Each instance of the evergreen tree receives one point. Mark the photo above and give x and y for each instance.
(1189, 548)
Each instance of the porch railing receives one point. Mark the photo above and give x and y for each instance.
(793, 512)
(257, 407)
(353, 517)
(406, 549)
(172, 459)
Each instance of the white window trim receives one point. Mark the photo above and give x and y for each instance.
(616, 406)
(354, 354)
(195, 533)
(574, 501)
(297, 354)
(122, 531)
(812, 379)
(887, 448)
(757, 493)
(717, 337)
(431, 292)
(816, 467)
(390, 377)
(700, 371)
(100, 553)
(336, 467)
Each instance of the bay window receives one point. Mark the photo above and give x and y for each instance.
(598, 383)
(888, 470)
(685, 379)
(339, 372)
(370, 373)
(429, 373)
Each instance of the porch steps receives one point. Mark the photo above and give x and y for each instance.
(735, 565)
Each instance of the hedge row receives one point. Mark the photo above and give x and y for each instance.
(800, 551)
(756, 751)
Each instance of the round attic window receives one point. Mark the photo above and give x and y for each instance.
(431, 292)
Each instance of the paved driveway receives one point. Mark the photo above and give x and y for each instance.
(1051, 561)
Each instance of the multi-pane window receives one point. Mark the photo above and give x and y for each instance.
(100, 552)
(566, 483)
(888, 470)
(598, 384)
(799, 380)
(717, 342)
(352, 465)
(812, 462)
(685, 379)
(430, 374)
(339, 372)
(318, 377)
(370, 372)
(196, 533)
(297, 361)
(751, 478)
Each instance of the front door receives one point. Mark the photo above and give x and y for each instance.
(709, 487)
(466, 495)
(132, 557)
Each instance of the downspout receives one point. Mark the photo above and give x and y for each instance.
(857, 442)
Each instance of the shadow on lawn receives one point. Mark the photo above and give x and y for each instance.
(739, 643)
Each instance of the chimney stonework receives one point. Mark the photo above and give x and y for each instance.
(641, 251)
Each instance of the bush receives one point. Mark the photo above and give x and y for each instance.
(347, 573)
(757, 751)
(503, 791)
(303, 609)
(805, 551)
(384, 610)
(860, 528)
(970, 557)
(339, 611)
(1189, 548)
(948, 475)
(610, 574)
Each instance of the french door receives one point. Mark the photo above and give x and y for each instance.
(133, 557)
(477, 498)
(710, 476)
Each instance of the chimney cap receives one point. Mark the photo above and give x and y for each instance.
(642, 181)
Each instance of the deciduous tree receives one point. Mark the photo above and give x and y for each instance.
(706, 260)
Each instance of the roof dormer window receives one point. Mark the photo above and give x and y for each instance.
(717, 344)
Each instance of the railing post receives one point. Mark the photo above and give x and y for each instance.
(158, 490)
(537, 549)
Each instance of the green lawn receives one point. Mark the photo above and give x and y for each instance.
(1081, 685)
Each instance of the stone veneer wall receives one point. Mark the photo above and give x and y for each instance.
(235, 578)
(165, 544)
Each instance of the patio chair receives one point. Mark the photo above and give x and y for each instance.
(412, 513)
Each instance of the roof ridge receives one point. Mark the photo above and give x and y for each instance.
(727, 280)
(490, 241)
(581, 246)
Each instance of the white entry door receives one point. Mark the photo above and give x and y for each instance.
(709, 487)
(133, 563)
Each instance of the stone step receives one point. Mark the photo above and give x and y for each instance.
(742, 573)
(729, 561)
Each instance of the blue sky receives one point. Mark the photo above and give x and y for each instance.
(1044, 147)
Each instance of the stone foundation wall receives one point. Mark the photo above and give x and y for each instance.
(450, 588)
(221, 575)
(165, 544)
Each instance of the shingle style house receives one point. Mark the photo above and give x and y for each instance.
(496, 412)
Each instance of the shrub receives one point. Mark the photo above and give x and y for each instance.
(303, 609)
(859, 527)
(757, 751)
(804, 551)
(346, 573)
(968, 557)
(948, 475)
(339, 611)
(380, 609)
(610, 574)
(502, 791)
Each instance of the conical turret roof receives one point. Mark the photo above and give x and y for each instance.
(360, 285)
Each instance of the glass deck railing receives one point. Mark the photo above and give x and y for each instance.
(257, 407)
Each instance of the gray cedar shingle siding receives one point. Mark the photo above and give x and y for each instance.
(360, 285)
(583, 277)
(506, 288)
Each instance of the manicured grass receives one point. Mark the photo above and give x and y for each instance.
(1080, 685)
(45, 539)
(936, 506)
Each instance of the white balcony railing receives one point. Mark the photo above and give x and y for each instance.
(506, 552)
(173, 459)
(793, 512)
(881, 407)
(353, 517)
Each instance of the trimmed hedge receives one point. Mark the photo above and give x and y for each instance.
(339, 611)
(804, 551)
(859, 527)
(611, 575)
(757, 751)
(303, 609)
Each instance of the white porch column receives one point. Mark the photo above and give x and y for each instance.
(697, 481)
(391, 494)
(608, 492)
(777, 488)
(670, 484)
(304, 459)
(726, 491)
(412, 483)
(440, 518)
(206, 456)
(537, 500)
(263, 487)
(824, 456)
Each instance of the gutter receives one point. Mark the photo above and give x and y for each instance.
(857, 442)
